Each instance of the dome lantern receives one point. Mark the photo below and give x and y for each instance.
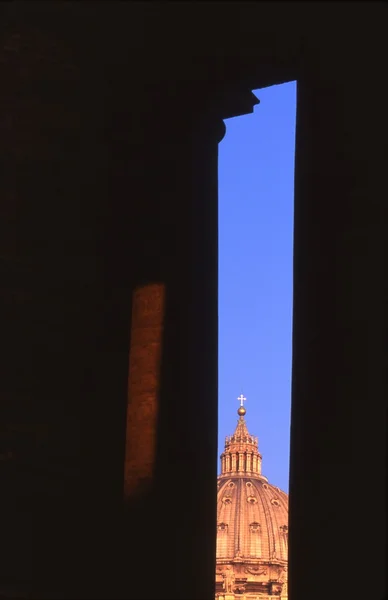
(241, 454)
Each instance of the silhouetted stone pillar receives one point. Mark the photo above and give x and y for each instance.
(171, 515)
(169, 521)
(338, 474)
(186, 472)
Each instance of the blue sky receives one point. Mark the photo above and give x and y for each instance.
(256, 205)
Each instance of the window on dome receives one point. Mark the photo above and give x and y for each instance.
(284, 541)
(255, 540)
(222, 540)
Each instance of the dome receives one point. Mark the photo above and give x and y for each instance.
(257, 514)
(252, 523)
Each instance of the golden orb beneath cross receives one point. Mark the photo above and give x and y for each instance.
(241, 411)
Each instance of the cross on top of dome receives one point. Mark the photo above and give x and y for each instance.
(241, 411)
(242, 399)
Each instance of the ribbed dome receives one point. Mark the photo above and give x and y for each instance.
(252, 522)
(252, 519)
